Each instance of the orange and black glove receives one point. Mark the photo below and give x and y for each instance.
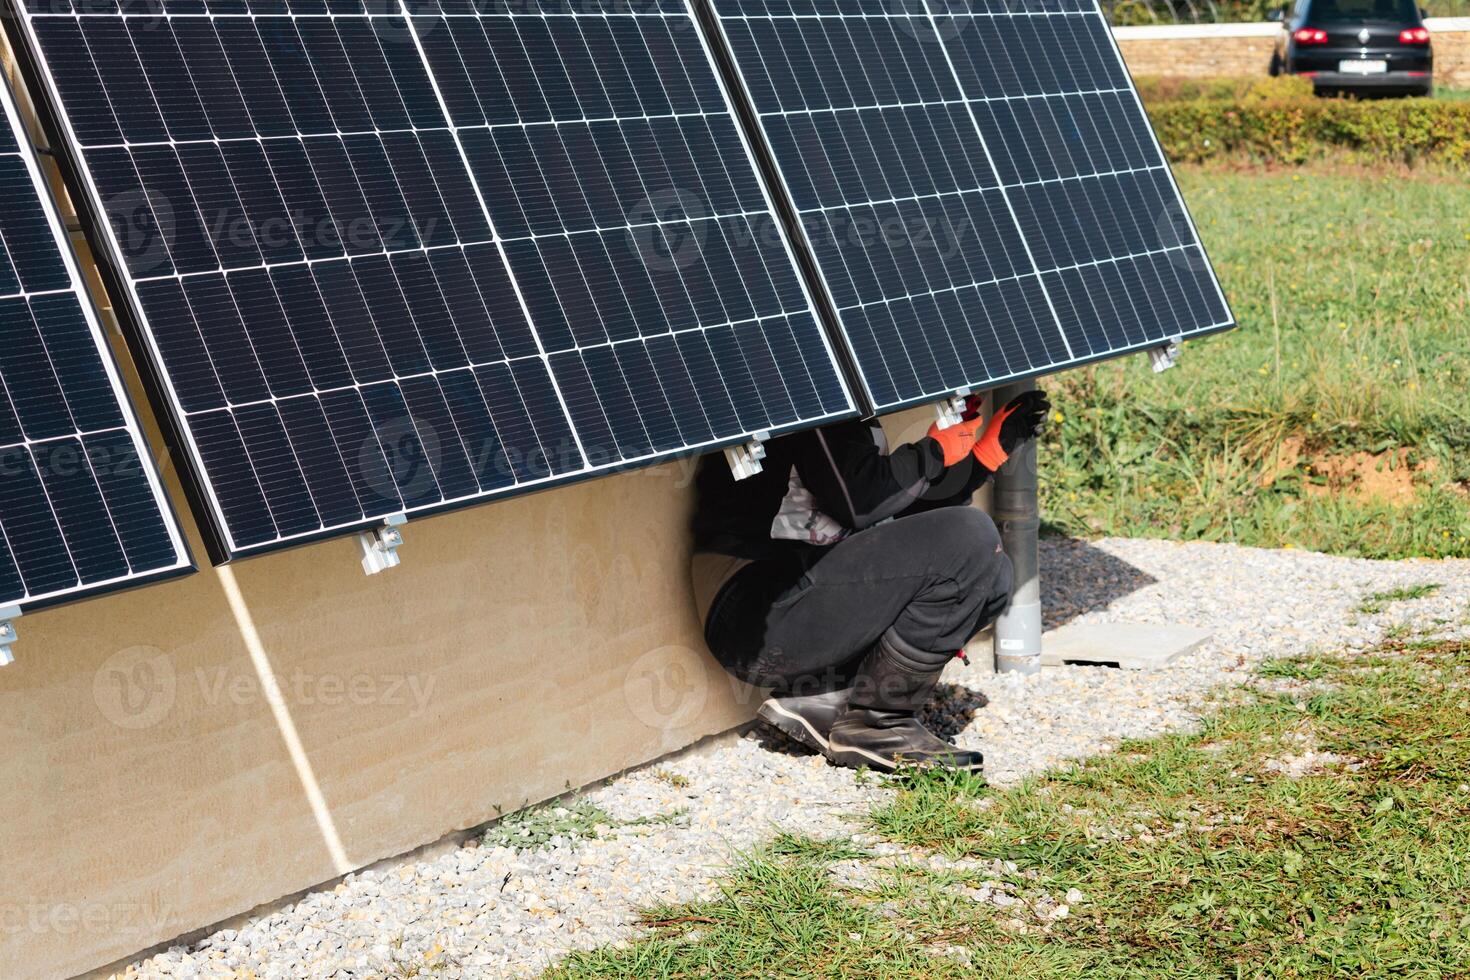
(1020, 419)
(958, 440)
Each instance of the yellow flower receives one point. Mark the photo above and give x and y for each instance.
(1058, 417)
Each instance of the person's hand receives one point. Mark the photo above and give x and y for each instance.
(958, 440)
(1020, 419)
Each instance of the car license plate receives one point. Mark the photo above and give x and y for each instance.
(1362, 67)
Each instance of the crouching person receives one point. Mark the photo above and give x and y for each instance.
(843, 577)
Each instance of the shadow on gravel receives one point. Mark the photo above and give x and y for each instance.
(774, 740)
(951, 710)
(1077, 578)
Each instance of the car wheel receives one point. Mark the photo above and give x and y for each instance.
(1275, 67)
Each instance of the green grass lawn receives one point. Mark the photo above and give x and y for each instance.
(1336, 418)
(1319, 825)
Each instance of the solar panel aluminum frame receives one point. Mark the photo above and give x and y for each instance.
(128, 307)
(712, 24)
(184, 560)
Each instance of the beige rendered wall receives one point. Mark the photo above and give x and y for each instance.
(1222, 50)
(176, 755)
(155, 784)
(179, 754)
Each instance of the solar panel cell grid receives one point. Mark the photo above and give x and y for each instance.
(390, 262)
(81, 511)
(978, 184)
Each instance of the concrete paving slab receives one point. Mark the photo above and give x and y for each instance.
(1132, 646)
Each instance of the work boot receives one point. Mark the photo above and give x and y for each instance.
(879, 729)
(807, 718)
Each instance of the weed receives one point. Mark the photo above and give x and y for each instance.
(537, 826)
(1302, 670)
(674, 779)
(1376, 602)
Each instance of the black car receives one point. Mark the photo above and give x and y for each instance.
(1362, 46)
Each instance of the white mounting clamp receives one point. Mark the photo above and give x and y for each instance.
(745, 460)
(380, 546)
(8, 635)
(1165, 356)
(951, 411)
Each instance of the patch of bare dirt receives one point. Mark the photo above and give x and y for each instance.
(1387, 476)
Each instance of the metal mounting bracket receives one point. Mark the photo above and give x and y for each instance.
(1165, 356)
(8, 635)
(745, 460)
(951, 411)
(380, 546)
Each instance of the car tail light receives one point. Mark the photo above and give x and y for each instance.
(1314, 35)
(1414, 35)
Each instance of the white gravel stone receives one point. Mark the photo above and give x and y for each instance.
(487, 911)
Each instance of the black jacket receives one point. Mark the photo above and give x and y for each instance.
(842, 471)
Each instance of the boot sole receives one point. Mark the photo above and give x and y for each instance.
(792, 724)
(854, 757)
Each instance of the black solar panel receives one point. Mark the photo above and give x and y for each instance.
(387, 264)
(979, 184)
(81, 510)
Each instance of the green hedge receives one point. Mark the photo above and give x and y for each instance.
(1258, 88)
(1279, 121)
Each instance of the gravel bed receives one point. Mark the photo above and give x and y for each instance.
(492, 911)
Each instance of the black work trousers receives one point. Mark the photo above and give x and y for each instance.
(800, 624)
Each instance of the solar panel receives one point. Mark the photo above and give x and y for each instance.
(81, 510)
(979, 185)
(389, 262)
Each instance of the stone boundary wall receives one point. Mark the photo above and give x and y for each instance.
(1218, 50)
